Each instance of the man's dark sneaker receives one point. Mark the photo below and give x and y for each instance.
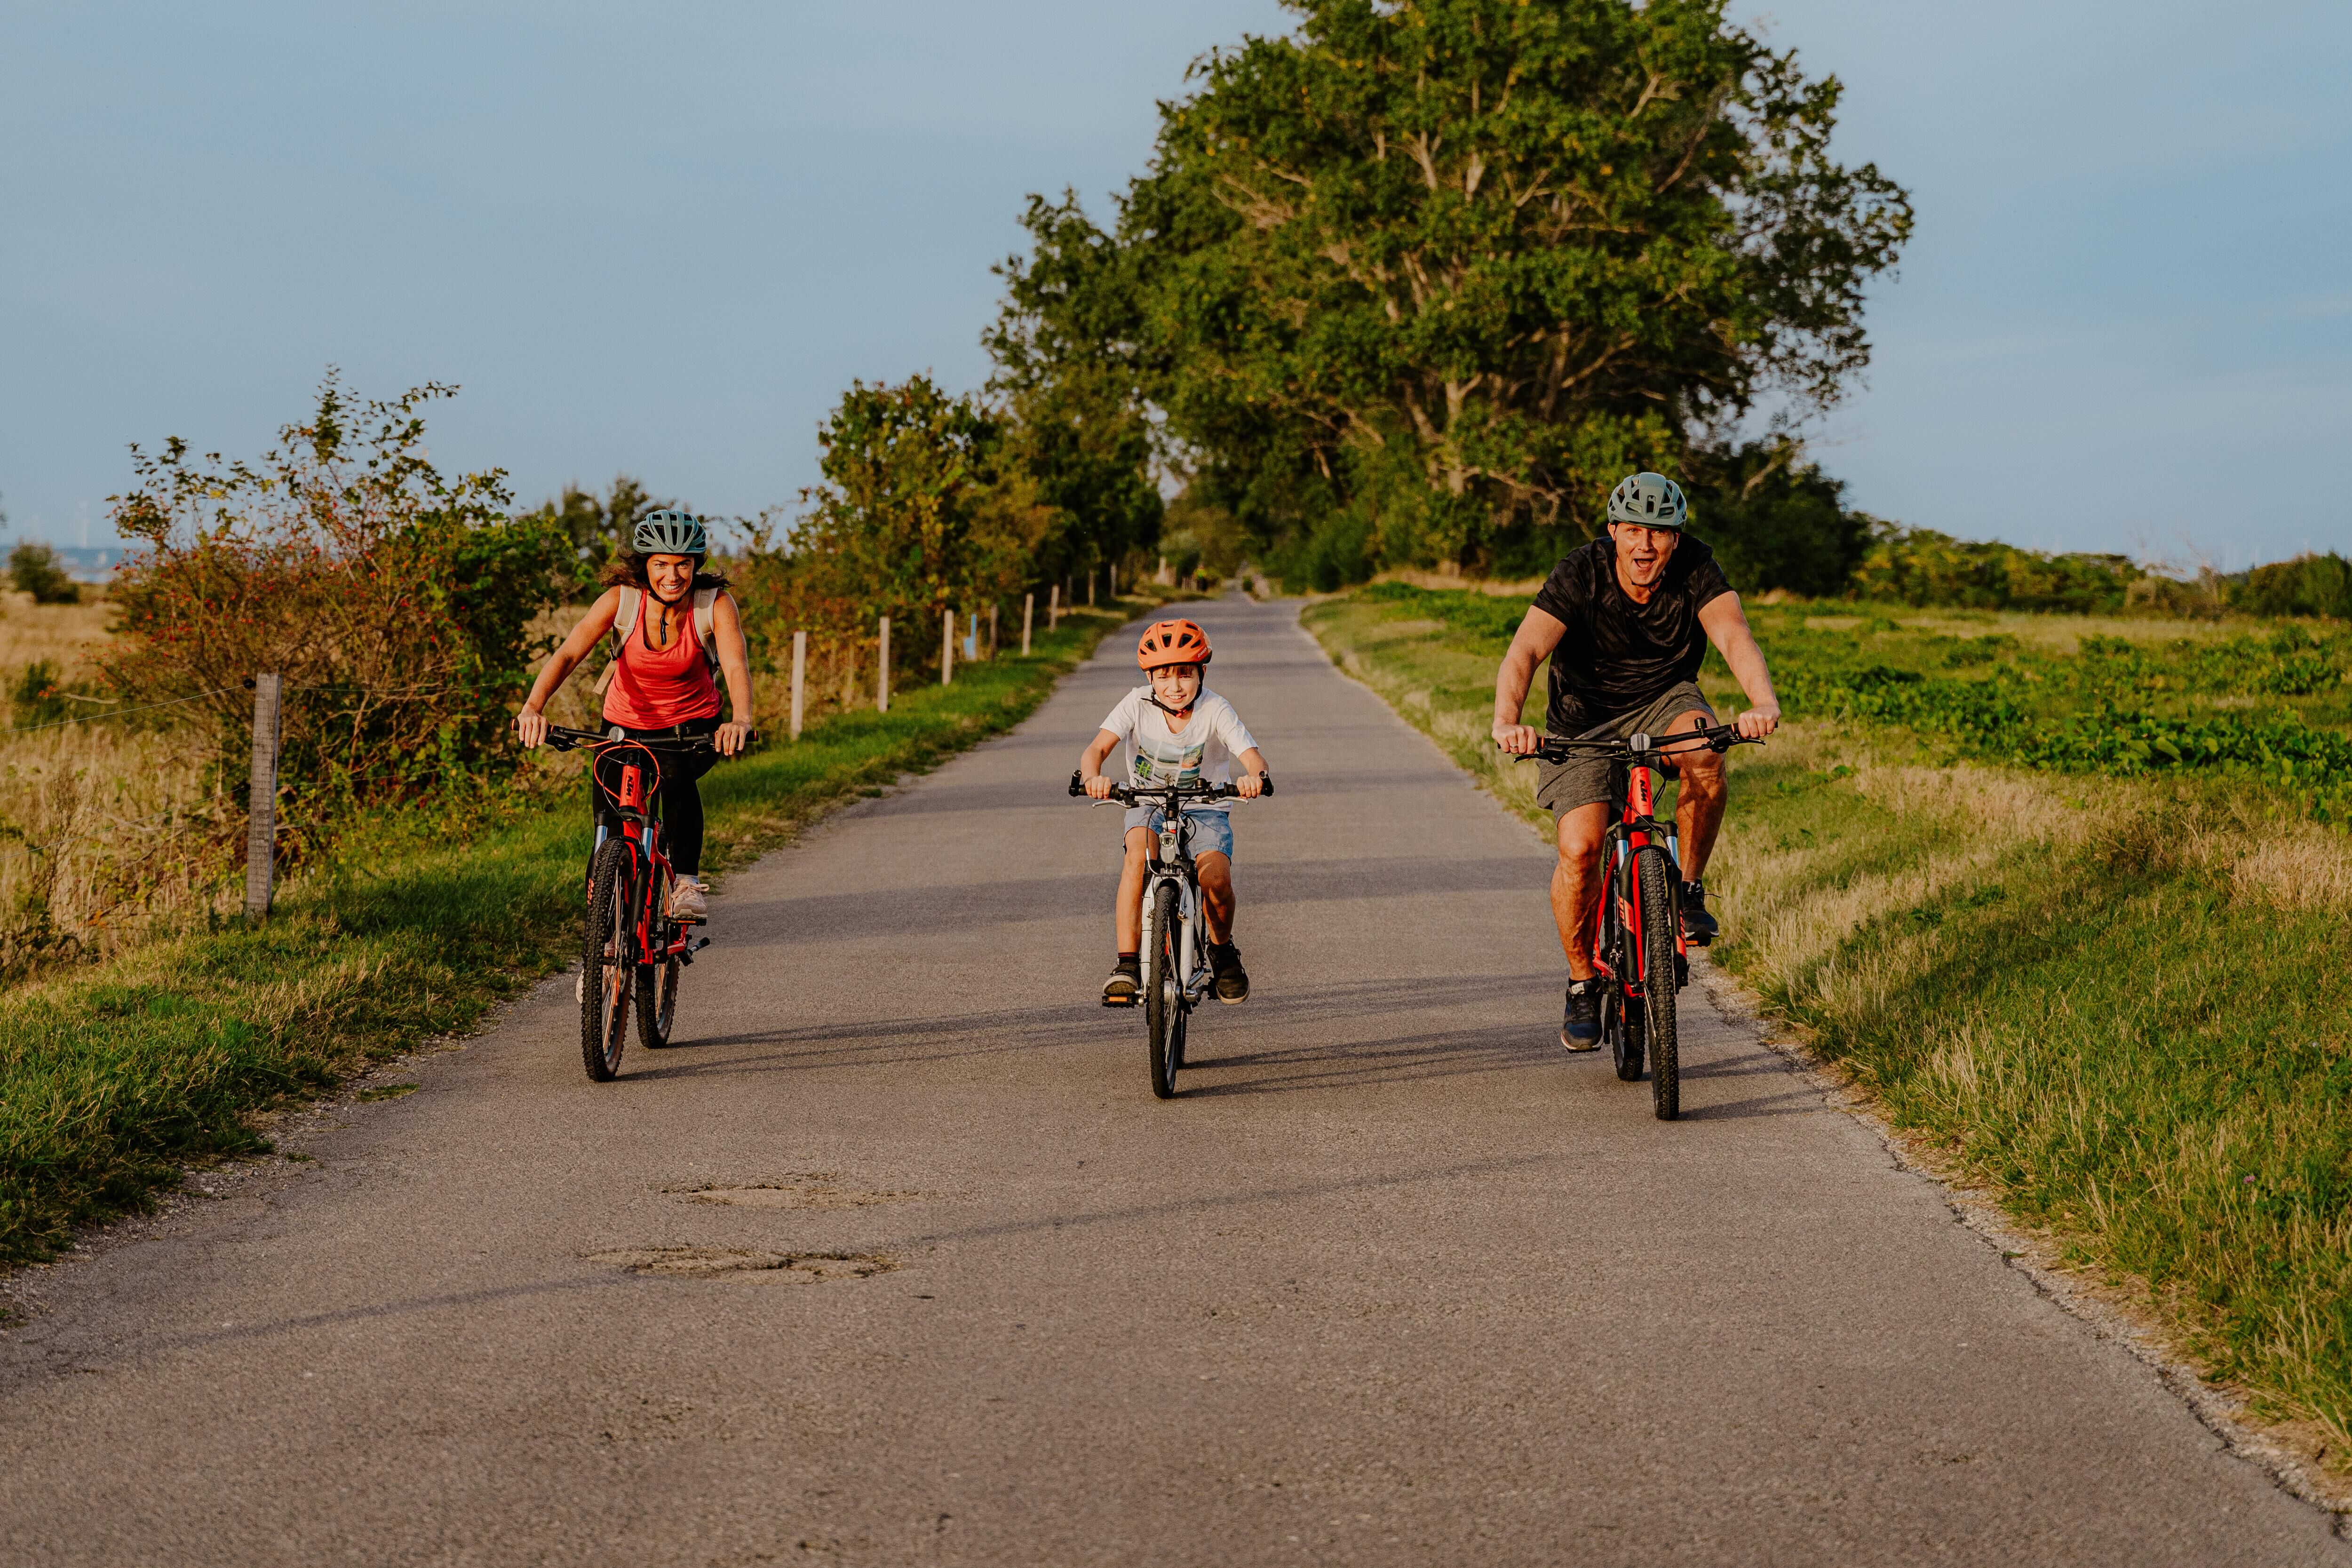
(1580, 1026)
(1233, 980)
(1125, 984)
(1698, 926)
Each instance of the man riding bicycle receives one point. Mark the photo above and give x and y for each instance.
(1625, 621)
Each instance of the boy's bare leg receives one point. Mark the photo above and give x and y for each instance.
(1216, 873)
(1127, 915)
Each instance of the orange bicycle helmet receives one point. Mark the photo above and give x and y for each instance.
(1172, 642)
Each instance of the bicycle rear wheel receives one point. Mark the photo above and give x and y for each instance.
(607, 963)
(656, 989)
(1624, 1033)
(1656, 888)
(1163, 982)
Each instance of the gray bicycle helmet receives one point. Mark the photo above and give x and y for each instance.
(670, 532)
(1650, 500)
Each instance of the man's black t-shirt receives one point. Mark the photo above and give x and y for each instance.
(1618, 657)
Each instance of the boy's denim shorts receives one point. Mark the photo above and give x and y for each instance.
(1212, 831)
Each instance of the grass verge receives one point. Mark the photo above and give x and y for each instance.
(113, 1077)
(2115, 1002)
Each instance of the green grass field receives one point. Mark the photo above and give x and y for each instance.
(2102, 981)
(112, 1078)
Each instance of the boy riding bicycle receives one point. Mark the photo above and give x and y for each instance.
(1175, 727)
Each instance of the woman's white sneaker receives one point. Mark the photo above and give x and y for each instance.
(687, 901)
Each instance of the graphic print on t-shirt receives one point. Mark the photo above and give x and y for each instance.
(1158, 762)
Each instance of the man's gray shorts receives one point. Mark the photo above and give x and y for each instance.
(1590, 777)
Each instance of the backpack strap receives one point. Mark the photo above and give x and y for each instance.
(706, 624)
(625, 621)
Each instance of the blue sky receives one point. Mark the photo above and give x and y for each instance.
(663, 239)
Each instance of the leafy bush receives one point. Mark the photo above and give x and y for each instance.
(34, 569)
(1776, 522)
(2306, 585)
(1919, 567)
(395, 602)
(39, 696)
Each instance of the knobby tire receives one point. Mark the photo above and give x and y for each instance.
(606, 963)
(656, 983)
(1658, 975)
(1163, 1010)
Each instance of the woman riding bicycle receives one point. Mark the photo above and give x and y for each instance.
(675, 624)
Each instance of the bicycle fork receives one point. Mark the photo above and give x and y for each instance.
(1196, 975)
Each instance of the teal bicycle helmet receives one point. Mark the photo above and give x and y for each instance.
(670, 532)
(1652, 501)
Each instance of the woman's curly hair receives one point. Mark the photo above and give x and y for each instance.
(627, 570)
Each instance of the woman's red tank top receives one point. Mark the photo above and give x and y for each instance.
(656, 689)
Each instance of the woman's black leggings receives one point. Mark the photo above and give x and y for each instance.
(678, 795)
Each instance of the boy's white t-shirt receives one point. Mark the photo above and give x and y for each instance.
(1213, 735)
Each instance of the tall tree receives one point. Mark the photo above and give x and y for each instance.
(1067, 351)
(1437, 271)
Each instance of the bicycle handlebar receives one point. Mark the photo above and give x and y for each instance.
(1718, 738)
(564, 740)
(1128, 794)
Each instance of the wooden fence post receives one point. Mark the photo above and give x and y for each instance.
(1090, 587)
(1054, 606)
(991, 629)
(1028, 608)
(947, 647)
(261, 804)
(882, 677)
(800, 673)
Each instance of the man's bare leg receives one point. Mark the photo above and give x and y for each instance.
(1576, 883)
(1698, 805)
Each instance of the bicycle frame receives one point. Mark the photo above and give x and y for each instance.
(1174, 864)
(642, 831)
(1637, 826)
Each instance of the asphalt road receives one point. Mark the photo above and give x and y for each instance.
(1394, 1279)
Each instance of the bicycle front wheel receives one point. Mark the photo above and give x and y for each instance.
(1162, 986)
(607, 963)
(1658, 972)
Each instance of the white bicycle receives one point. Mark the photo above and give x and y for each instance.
(1176, 969)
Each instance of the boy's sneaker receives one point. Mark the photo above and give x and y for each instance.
(1698, 926)
(1125, 984)
(1580, 1025)
(1233, 980)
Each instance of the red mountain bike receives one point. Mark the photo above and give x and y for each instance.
(1637, 930)
(631, 952)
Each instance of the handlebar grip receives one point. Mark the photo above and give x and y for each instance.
(1266, 782)
(1076, 787)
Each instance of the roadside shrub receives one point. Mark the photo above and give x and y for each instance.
(38, 696)
(396, 604)
(1776, 522)
(2306, 585)
(34, 569)
(1921, 567)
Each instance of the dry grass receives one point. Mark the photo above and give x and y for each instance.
(67, 635)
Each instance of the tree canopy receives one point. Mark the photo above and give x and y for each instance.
(1423, 277)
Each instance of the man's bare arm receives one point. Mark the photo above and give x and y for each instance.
(1530, 645)
(1727, 627)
